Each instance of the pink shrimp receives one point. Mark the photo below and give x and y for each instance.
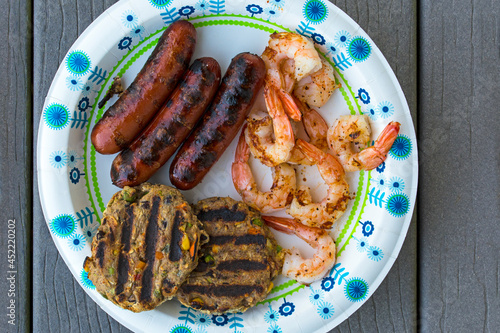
(281, 192)
(322, 214)
(289, 57)
(270, 142)
(352, 131)
(305, 271)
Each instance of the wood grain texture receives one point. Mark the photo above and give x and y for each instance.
(60, 304)
(459, 131)
(392, 25)
(15, 164)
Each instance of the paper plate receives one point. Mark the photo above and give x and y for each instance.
(75, 184)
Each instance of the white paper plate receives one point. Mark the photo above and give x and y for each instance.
(75, 184)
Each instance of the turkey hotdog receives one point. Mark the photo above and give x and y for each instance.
(222, 121)
(130, 114)
(159, 141)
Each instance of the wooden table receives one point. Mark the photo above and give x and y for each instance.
(446, 56)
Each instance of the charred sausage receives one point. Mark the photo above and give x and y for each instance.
(221, 122)
(128, 116)
(161, 138)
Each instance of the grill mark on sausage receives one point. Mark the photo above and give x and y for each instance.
(151, 240)
(235, 290)
(225, 214)
(241, 265)
(175, 253)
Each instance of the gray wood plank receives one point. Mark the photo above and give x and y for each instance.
(57, 297)
(458, 129)
(393, 27)
(59, 303)
(15, 165)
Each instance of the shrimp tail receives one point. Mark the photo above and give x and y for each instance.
(273, 102)
(280, 224)
(291, 108)
(239, 168)
(242, 153)
(312, 152)
(386, 138)
(375, 155)
(292, 227)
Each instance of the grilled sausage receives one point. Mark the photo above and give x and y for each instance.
(126, 118)
(161, 138)
(220, 124)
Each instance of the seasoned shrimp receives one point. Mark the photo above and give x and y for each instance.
(322, 214)
(316, 128)
(305, 271)
(317, 88)
(271, 139)
(354, 131)
(281, 192)
(282, 48)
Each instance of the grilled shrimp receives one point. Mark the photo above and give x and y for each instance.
(281, 192)
(317, 88)
(316, 128)
(282, 73)
(351, 131)
(305, 271)
(322, 214)
(271, 139)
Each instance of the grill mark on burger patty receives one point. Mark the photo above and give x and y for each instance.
(235, 290)
(246, 239)
(175, 253)
(225, 214)
(241, 264)
(123, 266)
(99, 253)
(127, 228)
(150, 240)
(122, 273)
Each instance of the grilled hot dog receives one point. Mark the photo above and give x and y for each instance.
(221, 122)
(158, 142)
(126, 118)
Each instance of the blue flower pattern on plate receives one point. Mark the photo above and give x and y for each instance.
(56, 116)
(287, 308)
(76, 242)
(62, 225)
(385, 109)
(359, 49)
(85, 281)
(254, 9)
(375, 253)
(398, 204)
(356, 289)
(368, 228)
(401, 148)
(325, 310)
(77, 62)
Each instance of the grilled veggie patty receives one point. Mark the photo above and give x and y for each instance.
(145, 247)
(237, 265)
